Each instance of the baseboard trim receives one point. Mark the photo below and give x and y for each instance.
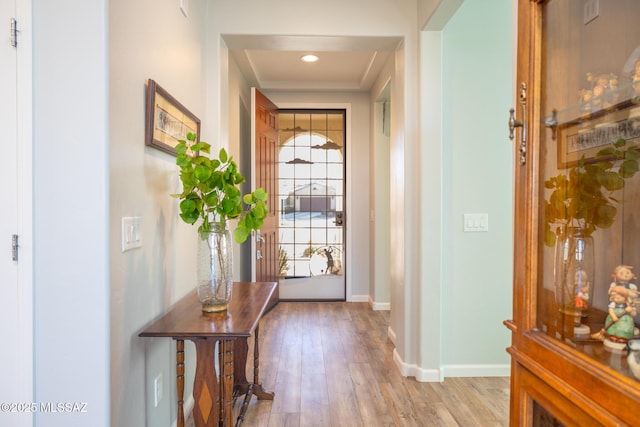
(358, 298)
(438, 375)
(421, 375)
(379, 306)
(477, 370)
(391, 335)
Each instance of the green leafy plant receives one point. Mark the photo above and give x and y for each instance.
(210, 190)
(583, 197)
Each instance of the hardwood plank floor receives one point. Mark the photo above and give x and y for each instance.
(331, 364)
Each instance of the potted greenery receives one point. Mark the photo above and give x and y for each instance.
(581, 201)
(583, 198)
(211, 195)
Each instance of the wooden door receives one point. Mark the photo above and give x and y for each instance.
(265, 132)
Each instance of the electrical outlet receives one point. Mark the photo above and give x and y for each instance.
(157, 390)
(591, 11)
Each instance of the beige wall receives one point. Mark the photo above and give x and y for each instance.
(145, 282)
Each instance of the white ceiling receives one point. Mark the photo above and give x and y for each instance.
(346, 63)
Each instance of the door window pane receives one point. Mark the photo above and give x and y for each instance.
(311, 191)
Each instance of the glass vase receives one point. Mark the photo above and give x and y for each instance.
(573, 275)
(215, 269)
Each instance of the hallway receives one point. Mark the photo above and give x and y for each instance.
(330, 364)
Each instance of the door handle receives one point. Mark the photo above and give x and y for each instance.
(339, 221)
(260, 241)
(513, 123)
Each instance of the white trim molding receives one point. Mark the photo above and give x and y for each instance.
(379, 306)
(357, 298)
(477, 370)
(391, 335)
(413, 370)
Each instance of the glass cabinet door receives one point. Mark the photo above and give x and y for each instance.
(587, 126)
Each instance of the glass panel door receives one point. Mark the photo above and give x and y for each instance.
(312, 204)
(589, 132)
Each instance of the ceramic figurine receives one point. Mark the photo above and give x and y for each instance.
(633, 346)
(619, 326)
(603, 93)
(581, 283)
(581, 286)
(622, 276)
(585, 100)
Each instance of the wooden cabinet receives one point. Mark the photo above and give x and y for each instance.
(576, 129)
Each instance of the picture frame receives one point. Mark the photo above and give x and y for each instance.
(167, 120)
(590, 134)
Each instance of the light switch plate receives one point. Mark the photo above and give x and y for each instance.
(591, 11)
(131, 233)
(476, 222)
(184, 7)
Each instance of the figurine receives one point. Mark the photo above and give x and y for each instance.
(585, 100)
(604, 91)
(633, 346)
(622, 276)
(619, 326)
(581, 287)
(581, 284)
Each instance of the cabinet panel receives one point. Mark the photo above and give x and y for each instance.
(577, 224)
(589, 190)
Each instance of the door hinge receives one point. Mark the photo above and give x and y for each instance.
(14, 32)
(14, 247)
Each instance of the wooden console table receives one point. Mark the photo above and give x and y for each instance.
(214, 398)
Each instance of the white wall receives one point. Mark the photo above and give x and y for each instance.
(71, 248)
(433, 234)
(149, 39)
(477, 178)
(379, 190)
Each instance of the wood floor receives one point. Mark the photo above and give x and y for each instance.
(330, 364)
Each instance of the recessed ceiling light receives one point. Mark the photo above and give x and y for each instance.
(309, 58)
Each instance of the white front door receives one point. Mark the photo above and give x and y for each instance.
(16, 326)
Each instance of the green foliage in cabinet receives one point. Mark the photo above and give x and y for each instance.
(210, 190)
(583, 197)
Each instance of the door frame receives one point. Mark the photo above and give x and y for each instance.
(24, 112)
(348, 159)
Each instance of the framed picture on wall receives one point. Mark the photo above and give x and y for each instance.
(587, 136)
(167, 120)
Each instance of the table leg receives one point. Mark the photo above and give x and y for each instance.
(180, 380)
(258, 390)
(240, 350)
(226, 382)
(205, 386)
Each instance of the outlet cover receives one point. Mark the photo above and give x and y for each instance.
(157, 390)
